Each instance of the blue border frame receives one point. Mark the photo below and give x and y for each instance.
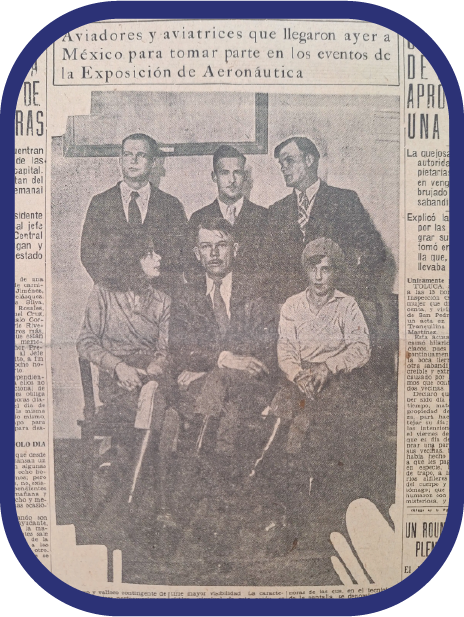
(224, 10)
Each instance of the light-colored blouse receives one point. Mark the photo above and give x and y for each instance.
(337, 334)
(119, 324)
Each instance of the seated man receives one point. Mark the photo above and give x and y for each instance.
(248, 219)
(323, 343)
(222, 339)
(125, 334)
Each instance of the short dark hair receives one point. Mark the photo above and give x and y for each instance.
(216, 223)
(304, 144)
(154, 148)
(226, 152)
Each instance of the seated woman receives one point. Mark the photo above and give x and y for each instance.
(125, 334)
(323, 342)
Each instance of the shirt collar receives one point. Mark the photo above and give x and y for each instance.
(311, 190)
(238, 205)
(337, 295)
(143, 192)
(226, 285)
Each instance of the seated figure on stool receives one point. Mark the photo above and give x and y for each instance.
(125, 334)
(323, 343)
(222, 340)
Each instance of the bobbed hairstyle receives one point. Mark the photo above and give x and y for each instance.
(127, 273)
(316, 250)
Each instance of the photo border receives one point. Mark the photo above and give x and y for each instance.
(223, 10)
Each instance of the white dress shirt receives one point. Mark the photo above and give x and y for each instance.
(142, 199)
(238, 205)
(311, 193)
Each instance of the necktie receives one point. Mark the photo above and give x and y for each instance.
(230, 214)
(219, 308)
(303, 211)
(133, 212)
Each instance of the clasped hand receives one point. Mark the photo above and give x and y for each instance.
(250, 365)
(313, 379)
(129, 376)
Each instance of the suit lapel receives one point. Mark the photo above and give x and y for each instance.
(245, 214)
(214, 211)
(293, 206)
(205, 310)
(153, 211)
(319, 213)
(319, 201)
(238, 299)
(118, 208)
(202, 302)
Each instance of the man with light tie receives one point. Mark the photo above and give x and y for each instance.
(222, 340)
(247, 219)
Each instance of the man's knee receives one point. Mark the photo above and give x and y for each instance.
(224, 376)
(288, 402)
(216, 383)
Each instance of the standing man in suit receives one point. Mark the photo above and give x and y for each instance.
(222, 339)
(134, 205)
(247, 218)
(314, 210)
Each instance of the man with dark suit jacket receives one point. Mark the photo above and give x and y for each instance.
(222, 338)
(314, 210)
(134, 204)
(247, 218)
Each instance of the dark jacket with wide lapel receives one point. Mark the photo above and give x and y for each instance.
(195, 340)
(249, 227)
(336, 214)
(105, 227)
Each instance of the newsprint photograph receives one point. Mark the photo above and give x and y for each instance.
(232, 308)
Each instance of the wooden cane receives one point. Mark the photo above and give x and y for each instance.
(201, 435)
(138, 467)
(266, 447)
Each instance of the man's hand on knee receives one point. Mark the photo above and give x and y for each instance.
(250, 365)
(154, 369)
(187, 377)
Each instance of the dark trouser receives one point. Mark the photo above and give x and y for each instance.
(120, 405)
(230, 395)
(120, 408)
(328, 440)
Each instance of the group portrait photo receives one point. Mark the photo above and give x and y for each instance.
(224, 329)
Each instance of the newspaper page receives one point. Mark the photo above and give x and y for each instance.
(231, 246)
